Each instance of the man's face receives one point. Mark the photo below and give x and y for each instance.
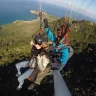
(38, 46)
(43, 45)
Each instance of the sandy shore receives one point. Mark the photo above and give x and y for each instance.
(37, 12)
(35, 20)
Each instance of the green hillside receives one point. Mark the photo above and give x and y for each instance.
(15, 37)
(82, 34)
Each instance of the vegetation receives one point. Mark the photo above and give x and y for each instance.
(81, 35)
(79, 73)
(15, 37)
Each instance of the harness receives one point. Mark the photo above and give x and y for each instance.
(51, 52)
(70, 49)
(63, 32)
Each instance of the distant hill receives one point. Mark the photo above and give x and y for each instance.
(15, 37)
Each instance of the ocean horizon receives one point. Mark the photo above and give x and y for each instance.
(20, 10)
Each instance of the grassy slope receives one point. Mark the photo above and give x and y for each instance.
(15, 39)
(79, 73)
(81, 35)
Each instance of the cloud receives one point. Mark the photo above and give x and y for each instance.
(81, 6)
(57, 2)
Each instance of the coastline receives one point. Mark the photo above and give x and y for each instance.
(30, 21)
(33, 20)
(25, 21)
(37, 12)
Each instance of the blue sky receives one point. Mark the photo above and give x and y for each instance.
(83, 6)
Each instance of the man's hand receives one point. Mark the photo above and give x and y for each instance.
(31, 43)
(50, 43)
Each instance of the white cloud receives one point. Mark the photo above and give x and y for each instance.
(57, 2)
(80, 6)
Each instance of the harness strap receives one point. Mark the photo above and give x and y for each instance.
(65, 30)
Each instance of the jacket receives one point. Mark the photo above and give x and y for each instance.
(64, 53)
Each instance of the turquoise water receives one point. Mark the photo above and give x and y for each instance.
(13, 10)
(17, 10)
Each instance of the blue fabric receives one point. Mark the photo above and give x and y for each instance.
(26, 74)
(64, 53)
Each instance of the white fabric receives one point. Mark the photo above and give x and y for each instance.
(42, 62)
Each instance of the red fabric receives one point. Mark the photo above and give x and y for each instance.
(66, 41)
(68, 29)
(66, 35)
(28, 79)
(63, 26)
(40, 13)
(59, 33)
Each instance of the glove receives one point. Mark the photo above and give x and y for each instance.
(55, 54)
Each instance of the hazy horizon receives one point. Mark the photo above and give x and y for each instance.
(12, 10)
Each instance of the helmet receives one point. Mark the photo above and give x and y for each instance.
(38, 39)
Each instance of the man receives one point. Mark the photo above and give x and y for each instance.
(62, 59)
(63, 31)
(35, 64)
(36, 47)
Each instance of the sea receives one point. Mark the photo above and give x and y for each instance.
(12, 10)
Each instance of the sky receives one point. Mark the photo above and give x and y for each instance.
(87, 7)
